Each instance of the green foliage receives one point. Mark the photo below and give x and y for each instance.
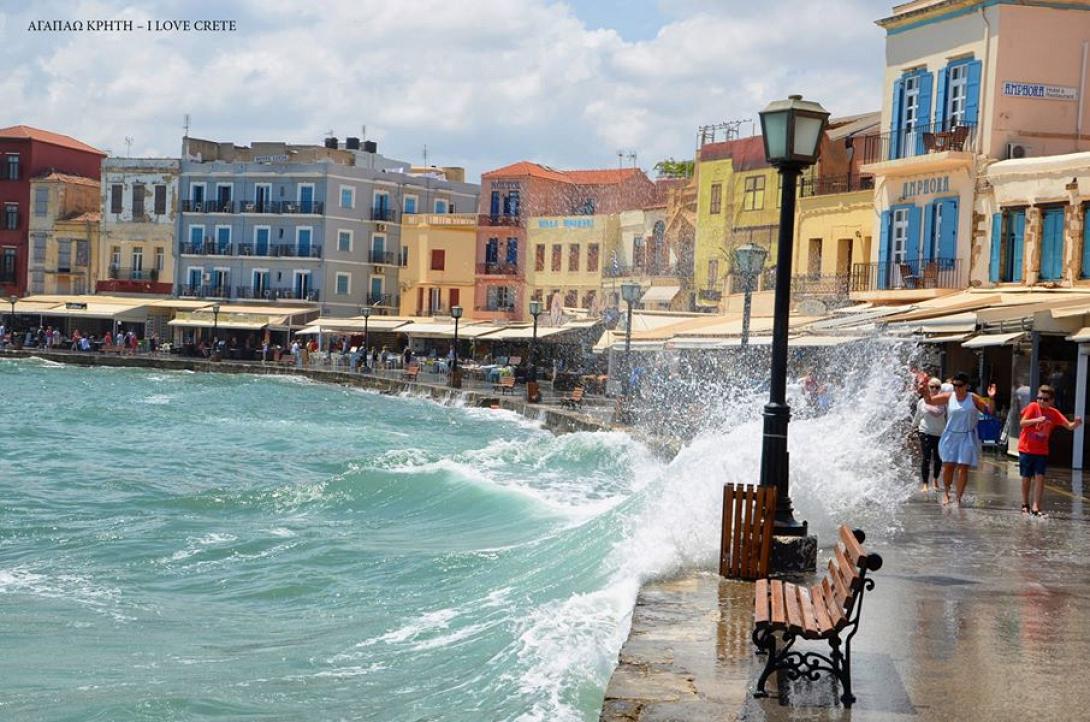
(671, 168)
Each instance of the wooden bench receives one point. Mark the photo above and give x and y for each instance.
(575, 399)
(412, 372)
(748, 516)
(506, 385)
(827, 611)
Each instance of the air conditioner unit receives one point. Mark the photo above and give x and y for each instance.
(1017, 150)
(380, 226)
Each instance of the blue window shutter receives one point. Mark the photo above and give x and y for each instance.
(972, 93)
(940, 100)
(896, 121)
(948, 233)
(1018, 221)
(1052, 244)
(923, 108)
(883, 250)
(928, 231)
(912, 243)
(1086, 242)
(993, 262)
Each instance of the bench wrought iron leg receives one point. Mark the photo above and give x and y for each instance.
(766, 644)
(846, 673)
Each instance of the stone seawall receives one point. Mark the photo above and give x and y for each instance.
(555, 419)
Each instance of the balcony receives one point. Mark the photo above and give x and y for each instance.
(384, 215)
(928, 139)
(497, 269)
(383, 258)
(264, 207)
(916, 275)
(385, 300)
(290, 250)
(828, 185)
(816, 285)
(496, 308)
(205, 291)
(504, 219)
(709, 295)
(208, 248)
(618, 271)
(116, 273)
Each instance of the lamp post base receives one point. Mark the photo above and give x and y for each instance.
(456, 378)
(533, 392)
(793, 554)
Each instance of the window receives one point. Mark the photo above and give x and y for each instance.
(588, 299)
(159, 258)
(571, 299)
(438, 260)
(404, 260)
(492, 251)
(539, 257)
(441, 205)
(11, 216)
(64, 255)
(160, 199)
(512, 251)
(592, 257)
(958, 96)
(638, 253)
(348, 197)
(115, 257)
(137, 261)
(899, 247)
(713, 273)
(41, 201)
(957, 84)
(196, 240)
(37, 281)
(717, 198)
(1052, 243)
(344, 241)
(455, 297)
(37, 248)
(196, 195)
(137, 200)
(83, 256)
(512, 203)
(7, 266)
(558, 256)
(1008, 237)
(117, 192)
(410, 204)
(12, 167)
(343, 284)
(573, 257)
(754, 199)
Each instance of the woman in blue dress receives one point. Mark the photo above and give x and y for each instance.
(959, 447)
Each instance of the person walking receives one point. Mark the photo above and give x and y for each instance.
(959, 447)
(1038, 420)
(929, 422)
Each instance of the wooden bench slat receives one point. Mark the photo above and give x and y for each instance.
(852, 548)
(848, 571)
(834, 609)
(839, 588)
(794, 610)
(760, 604)
(728, 528)
(766, 531)
(821, 614)
(747, 528)
(778, 616)
(736, 547)
(809, 622)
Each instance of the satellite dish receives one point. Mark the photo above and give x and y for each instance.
(813, 307)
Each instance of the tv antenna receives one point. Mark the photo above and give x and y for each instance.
(631, 155)
(719, 132)
(128, 146)
(185, 124)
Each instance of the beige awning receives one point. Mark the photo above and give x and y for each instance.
(821, 341)
(354, 325)
(947, 338)
(660, 294)
(117, 312)
(991, 340)
(524, 333)
(230, 325)
(1080, 336)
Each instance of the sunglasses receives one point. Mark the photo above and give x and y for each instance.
(958, 384)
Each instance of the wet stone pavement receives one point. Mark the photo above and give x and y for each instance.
(979, 613)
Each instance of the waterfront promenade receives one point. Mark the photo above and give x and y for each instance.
(978, 614)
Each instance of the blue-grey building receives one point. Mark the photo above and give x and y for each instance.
(318, 223)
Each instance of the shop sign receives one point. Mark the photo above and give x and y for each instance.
(565, 223)
(927, 186)
(1040, 91)
(281, 158)
(500, 185)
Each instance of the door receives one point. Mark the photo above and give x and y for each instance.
(306, 199)
(378, 248)
(813, 267)
(434, 300)
(260, 283)
(196, 193)
(302, 284)
(262, 196)
(223, 241)
(196, 278)
(221, 282)
(494, 207)
(303, 242)
(910, 115)
(261, 242)
(376, 289)
(455, 297)
(1052, 244)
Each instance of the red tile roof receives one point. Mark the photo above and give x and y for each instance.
(66, 178)
(604, 176)
(578, 177)
(45, 136)
(526, 168)
(88, 217)
(747, 153)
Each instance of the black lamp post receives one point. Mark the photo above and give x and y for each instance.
(749, 260)
(631, 293)
(215, 321)
(366, 313)
(792, 130)
(455, 376)
(11, 321)
(532, 395)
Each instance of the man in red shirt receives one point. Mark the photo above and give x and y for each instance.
(1038, 421)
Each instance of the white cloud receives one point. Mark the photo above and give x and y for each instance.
(482, 83)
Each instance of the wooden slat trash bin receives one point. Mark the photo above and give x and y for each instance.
(748, 514)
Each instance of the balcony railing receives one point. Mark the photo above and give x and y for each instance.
(497, 307)
(833, 285)
(116, 273)
(208, 248)
(385, 300)
(612, 271)
(827, 185)
(386, 215)
(205, 291)
(907, 275)
(290, 250)
(271, 207)
(500, 219)
(497, 269)
(713, 295)
(923, 139)
(385, 258)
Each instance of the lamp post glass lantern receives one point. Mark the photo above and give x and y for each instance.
(535, 311)
(631, 293)
(455, 378)
(749, 261)
(792, 131)
(365, 311)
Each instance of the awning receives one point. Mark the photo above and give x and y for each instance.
(117, 312)
(821, 341)
(354, 325)
(990, 340)
(524, 333)
(234, 325)
(660, 294)
(1080, 336)
(948, 338)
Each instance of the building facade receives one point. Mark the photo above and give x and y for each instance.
(63, 223)
(318, 223)
(438, 253)
(28, 153)
(567, 256)
(139, 209)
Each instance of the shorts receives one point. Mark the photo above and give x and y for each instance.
(1031, 464)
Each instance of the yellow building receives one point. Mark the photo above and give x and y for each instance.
(63, 230)
(737, 203)
(567, 257)
(438, 251)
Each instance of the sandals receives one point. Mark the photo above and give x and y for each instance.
(1025, 509)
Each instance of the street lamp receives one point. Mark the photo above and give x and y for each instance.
(532, 394)
(11, 321)
(749, 260)
(215, 321)
(792, 131)
(455, 376)
(365, 311)
(631, 293)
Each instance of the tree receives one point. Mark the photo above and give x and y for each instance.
(671, 168)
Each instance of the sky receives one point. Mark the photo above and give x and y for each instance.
(481, 83)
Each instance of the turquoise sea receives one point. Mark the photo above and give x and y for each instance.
(181, 546)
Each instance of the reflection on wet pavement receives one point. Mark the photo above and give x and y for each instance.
(979, 613)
